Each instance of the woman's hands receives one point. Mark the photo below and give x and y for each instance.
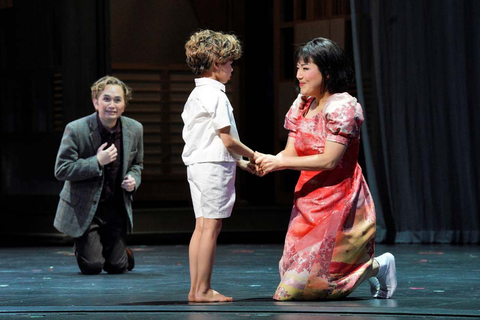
(266, 163)
(252, 165)
(328, 160)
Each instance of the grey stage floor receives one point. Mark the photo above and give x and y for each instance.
(435, 282)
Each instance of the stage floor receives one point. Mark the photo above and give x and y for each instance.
(434, 282)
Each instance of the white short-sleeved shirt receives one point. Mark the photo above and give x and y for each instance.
(206, 111)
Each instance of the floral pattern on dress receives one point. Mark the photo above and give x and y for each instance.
(324, 254)
(330, 240)
(281, 293)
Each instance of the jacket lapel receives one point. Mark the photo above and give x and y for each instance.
(95, 138)
(127, 144)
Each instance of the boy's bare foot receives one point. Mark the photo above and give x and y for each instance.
(191, 297)
(212, 296)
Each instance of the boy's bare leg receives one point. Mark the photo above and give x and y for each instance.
(193, 258)
(206, 258)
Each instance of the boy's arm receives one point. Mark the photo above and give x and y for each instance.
(234, 145)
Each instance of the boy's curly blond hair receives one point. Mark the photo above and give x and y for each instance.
(101, 83)
(206, 47)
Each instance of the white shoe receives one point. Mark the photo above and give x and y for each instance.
(387, 277)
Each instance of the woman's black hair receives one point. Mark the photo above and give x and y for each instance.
(331, 60)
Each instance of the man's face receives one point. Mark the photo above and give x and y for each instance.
(110, 105)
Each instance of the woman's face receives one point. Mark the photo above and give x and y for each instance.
(309, 78)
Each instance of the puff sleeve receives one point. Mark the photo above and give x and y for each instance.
(295, 111)
(343, 121)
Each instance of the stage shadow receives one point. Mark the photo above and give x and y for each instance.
(259, 300)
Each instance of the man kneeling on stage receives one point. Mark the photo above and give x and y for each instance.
(100, 159)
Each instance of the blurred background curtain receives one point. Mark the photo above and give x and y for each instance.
(420, 69)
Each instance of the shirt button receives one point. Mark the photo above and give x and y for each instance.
(94, 202)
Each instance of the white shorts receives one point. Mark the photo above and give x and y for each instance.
(212, 185)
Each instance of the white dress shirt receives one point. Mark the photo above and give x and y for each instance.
(206, 111)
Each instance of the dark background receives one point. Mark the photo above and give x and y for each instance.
(418, 69)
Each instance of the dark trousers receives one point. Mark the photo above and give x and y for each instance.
(103, 245)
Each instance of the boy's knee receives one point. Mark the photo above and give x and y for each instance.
(214, 226)
(198, 229)
(218, 229)
(218, 226)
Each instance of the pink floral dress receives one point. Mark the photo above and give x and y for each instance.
(330, 240)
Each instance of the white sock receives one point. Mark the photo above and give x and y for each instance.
(374, 286)
(387, 276)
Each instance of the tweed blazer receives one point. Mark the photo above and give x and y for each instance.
(77, 165)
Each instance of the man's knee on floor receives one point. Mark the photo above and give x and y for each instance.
(90, 267)
(116, 267)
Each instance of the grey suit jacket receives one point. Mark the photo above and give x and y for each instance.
(77, 165)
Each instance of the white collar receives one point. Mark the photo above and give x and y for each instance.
(209, 82)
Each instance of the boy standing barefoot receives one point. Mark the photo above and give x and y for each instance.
(211, 153)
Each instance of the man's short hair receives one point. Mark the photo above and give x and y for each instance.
(101, 83)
